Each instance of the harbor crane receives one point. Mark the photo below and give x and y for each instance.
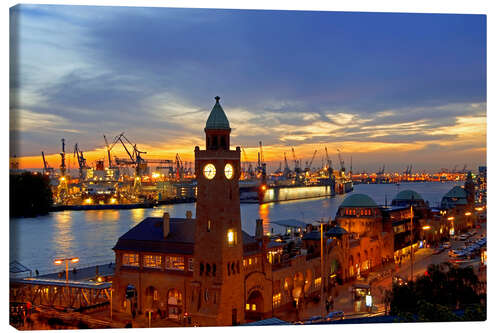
(248, 163)
(260, 161)
(82, 162)
(286, 170)
(309, 164)
(341, 162)
(47, 170)
(62, 167)
(296, 162)
(329, 164)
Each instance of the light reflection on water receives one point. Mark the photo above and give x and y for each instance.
(91, 235)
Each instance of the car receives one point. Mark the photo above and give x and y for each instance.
(334, 315)
(446, 245)
(463, 237)
(314, 320)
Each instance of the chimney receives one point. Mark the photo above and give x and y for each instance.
(259, 229)
(166, 224)
(189, 215)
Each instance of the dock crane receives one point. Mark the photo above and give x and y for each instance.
(82, 162)
(179, 168)
(47, 170)
(329, 164)
(286, 170)
(341, 162)
(296, 162)
(249, 170)
(62, 167)
(309, 164)
(260, 162)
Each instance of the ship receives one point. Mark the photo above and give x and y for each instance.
(258, 191)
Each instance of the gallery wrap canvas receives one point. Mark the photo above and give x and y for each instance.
(198, 167)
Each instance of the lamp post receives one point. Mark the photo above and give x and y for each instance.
(67, 261)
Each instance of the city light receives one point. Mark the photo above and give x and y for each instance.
(426, 227)
(58, 262)
(468, 214)
(451, 218)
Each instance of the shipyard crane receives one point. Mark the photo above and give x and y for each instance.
(341, 162)
(329, 164)
(62, 167)
(309, 164)
(46, 168)
(381, 171)
(296, 162)
(249, 164)
(261, 164)
(464, 169)
(286, 171)
(179, 169)
(108, 149)
(82, 162)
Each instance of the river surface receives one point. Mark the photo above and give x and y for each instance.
(91, 235)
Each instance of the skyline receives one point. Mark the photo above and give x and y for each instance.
(376, 85)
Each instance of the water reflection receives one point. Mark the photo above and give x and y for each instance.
(264, 215)
(63, 235)
(91, 235)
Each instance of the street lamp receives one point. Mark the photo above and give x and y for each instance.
(67, 261)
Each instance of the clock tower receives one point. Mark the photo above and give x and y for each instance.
(217, 286)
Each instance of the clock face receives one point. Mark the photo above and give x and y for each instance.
(209, 171)
(228, 171)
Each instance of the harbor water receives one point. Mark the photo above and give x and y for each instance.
(91, 235)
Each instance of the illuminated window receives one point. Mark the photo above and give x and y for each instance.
(190, 265)
(231, 237)
(317, 282)
(209, 225)
(276, 300)
(176, 263)
(247, 307)
(130, 259)
(155, 295)
(249, 261)
(254, 307)
(244, 263)
(151, 261)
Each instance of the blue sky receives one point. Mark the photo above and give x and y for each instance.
(385, 88)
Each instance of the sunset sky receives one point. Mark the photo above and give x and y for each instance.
(391, 89)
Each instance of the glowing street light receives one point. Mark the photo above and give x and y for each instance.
(451, 218)
(468, 214)
(67, 261)
(426, 227)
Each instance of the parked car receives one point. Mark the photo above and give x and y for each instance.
(446, 245)
(335, 315)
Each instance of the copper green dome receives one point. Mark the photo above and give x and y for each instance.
(358, 200)
(408, 195)
(456, 192)
(217, 118)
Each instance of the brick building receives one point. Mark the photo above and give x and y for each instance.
(205, 270)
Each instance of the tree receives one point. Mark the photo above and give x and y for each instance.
(30, 195)
(436, 295)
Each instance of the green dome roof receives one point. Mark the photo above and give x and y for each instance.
(358, 200)
(217, 118)
(408, 195)
(456, 192)
(336, 231)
